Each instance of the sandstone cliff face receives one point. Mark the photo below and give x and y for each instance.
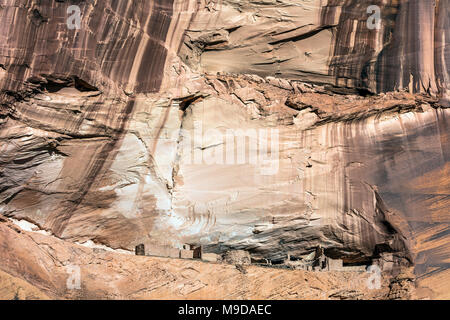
(128, 130)
(119, 43)
(325, 42)
(45, 262)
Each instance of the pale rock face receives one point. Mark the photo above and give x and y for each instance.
(241, 125)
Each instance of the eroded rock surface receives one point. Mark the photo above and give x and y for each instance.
(241, 125)
(325, 42)
(45, 263)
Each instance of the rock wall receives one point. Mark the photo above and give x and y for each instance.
(326, 42)
(120, 44)
(42, 270)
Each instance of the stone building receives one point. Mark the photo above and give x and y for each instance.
(140, 250)
(237, 257)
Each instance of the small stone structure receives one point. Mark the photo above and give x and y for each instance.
(324, 263)
(237, 257)
(386, 261)
(188, 251)
(334, 264)
(197, 251)
(186, 254)
(262, 261)
(315, 261)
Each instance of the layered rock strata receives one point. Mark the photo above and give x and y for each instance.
(231, 125)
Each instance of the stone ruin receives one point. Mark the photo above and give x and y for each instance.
(318, 261)
(187, 251)
(240, 257)
(315, 261)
